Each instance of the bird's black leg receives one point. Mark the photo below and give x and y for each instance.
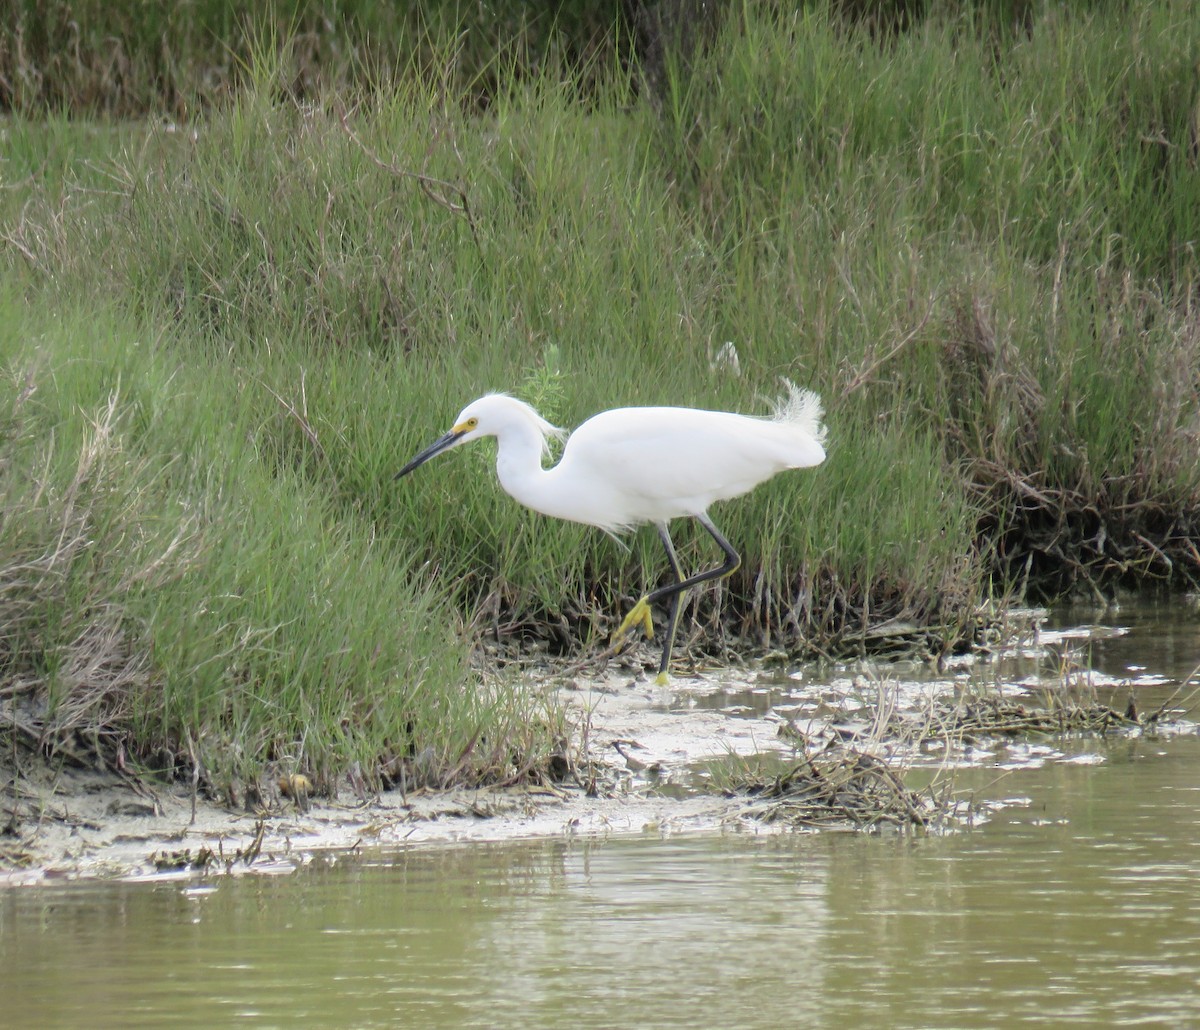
(732, 563)
(676, 599)
(675, 591)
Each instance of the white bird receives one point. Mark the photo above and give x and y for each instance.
(630, 466)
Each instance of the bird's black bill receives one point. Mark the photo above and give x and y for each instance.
(432, 451)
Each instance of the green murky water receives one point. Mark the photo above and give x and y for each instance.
(1078, 906)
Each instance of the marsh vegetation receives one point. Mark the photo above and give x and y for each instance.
(242, 283)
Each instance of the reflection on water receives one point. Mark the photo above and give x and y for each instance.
(1142, 652)
(1079, 907)
(1153, 639)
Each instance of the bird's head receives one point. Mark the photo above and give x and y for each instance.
(492, 415)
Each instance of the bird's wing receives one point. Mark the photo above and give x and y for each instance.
(663, 462)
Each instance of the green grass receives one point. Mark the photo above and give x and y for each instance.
(167, 587)
(977, 245)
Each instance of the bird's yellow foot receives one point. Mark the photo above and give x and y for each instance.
(663, 679)
(638, 614)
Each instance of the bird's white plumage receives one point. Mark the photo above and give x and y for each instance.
(629, 466)
(633, 465)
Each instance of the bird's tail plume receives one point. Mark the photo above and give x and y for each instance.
(801, 408)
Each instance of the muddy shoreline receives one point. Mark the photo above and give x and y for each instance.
(640, 738)
(642, 754)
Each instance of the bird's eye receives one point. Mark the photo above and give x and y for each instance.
(472, 423)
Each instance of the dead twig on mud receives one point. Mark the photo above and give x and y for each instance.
(841, 787)
(990, 716)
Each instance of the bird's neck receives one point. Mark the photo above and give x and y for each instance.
(519, 468)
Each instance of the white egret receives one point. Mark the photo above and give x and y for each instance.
(630, 466)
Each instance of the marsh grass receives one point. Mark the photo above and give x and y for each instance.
(167, 591)
(977, 245)
(370, 311)
(183, 59)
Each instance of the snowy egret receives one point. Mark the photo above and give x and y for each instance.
(630, 466)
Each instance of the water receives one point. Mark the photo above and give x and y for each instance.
(1078, 906)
